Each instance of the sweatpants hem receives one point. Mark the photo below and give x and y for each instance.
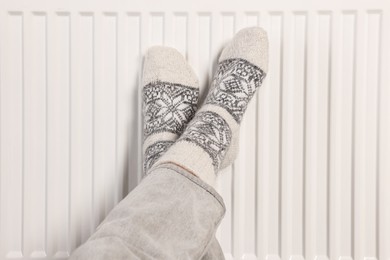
(192, 178)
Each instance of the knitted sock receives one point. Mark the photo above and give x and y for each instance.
(170, 96)
(210, 140)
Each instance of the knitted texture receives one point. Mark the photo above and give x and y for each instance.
(170, 95)
(211, 132)
(215, 128)
(168, 107)
(234, 85)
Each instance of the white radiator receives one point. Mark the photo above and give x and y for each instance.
(312, 179)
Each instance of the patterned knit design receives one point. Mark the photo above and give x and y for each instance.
(168, 107)
(234, 85)
(154, 151)
(211, 132)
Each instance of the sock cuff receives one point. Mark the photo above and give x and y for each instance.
(161, 136)
(153, 152)
(192, 158)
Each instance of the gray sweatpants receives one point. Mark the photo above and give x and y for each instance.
(171, 214)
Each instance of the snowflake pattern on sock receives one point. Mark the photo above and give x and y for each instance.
(153, 152)
(168, 107)
(211, 132)
(234, 85)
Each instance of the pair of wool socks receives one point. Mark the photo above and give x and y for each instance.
(205, 140)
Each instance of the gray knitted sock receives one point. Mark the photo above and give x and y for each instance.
(209, 142)
(170, 96)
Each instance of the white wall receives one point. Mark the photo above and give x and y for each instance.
(313, 174)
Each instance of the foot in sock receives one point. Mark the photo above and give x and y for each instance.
(170, 96)
(210, 140)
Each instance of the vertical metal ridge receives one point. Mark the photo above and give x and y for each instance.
(45, 247)
(342, 157)
(359, 138)
(328, 144)
(36, 138)
(378, 139)
(329, 122)
(292, 168)
(280, 170)
(23, 133)
(69, 230)
(120, 172)
(353, 135)
(334, 61)
(82, 127)
(371, 106)
(92, 16)
(58, 133)
(285, 201)
(112, 188)
(304, 136)
(311, 154)
(117, 185)
(317, 115)
(105, 114)
(120, 163)
(93, 119)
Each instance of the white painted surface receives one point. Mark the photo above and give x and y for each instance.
(313, 175)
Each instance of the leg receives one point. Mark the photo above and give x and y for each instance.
(171, 214)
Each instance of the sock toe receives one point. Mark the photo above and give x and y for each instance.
(250, 44)
(166, 64)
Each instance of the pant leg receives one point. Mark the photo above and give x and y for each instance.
(214, 251)
(171, 214)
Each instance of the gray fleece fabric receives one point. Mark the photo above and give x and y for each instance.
(171, 214)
